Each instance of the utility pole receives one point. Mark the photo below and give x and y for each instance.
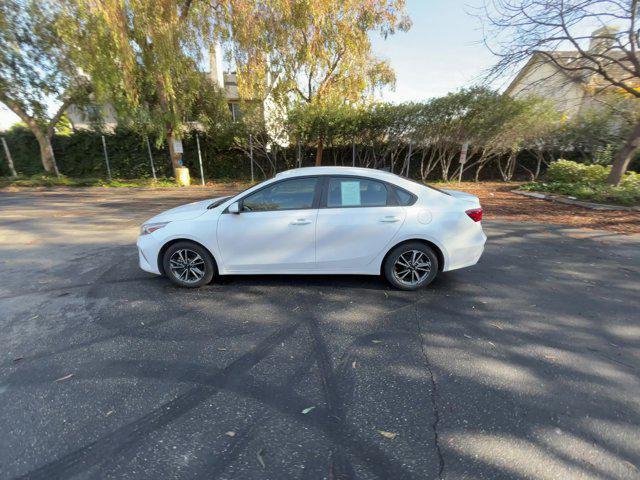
(12, 169)
(251, 155)
(200, 159)
(463, 159)
(153, 168)
(353, 151)
(408, 159)
(106, 157)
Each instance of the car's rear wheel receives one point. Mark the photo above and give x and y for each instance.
(188, 264)
(411, 266)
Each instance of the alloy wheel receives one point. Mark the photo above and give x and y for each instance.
(187, 265)
(412, 267)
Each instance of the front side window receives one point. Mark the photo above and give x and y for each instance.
(292, 194)
(356, 192)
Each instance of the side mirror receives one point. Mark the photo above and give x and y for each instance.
(234, 208)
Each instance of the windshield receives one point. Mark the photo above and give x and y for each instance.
(220, 201)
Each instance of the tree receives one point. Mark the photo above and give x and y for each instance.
(143, 56)
(36, 71)
(520, 28)
(316, 52)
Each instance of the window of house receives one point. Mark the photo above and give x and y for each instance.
(234, 108)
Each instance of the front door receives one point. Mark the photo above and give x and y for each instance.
(274, 231)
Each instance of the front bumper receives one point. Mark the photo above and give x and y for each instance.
(148, 250)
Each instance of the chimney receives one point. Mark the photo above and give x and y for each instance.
(215, 62)
(603, 39)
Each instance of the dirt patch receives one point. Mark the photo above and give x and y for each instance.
(500, 204)
(496, 197)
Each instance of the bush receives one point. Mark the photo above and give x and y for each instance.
(588, 182)
(566, 171)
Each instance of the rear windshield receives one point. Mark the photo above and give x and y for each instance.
(424, 184)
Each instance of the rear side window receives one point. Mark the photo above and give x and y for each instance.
(404, 197)
(356, 192)
(291, 194)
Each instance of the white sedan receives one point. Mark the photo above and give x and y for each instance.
(318, 220)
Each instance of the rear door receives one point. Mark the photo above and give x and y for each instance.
(357, 219)
(274, 231)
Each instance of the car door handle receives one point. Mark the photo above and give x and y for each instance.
(390, 219)
(301, 221)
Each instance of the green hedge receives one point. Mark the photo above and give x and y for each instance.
(81, 155)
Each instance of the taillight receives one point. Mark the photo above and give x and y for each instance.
(475, 214)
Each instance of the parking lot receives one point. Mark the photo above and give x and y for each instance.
(523, 366)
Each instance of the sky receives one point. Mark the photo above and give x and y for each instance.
(441, 53)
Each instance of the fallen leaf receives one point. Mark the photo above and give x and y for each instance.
(230, 433)
(389, 435)
(354, 364)
(492, 344)
(260, 456)
(496, 325)
(376, 341)
(308, 409)
(109, 413)
(465, 335)
(66, 377)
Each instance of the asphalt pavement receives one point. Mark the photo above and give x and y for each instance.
(523, 366)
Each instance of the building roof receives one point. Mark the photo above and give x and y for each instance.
(576, 68)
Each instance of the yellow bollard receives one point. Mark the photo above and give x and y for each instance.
(182, 176)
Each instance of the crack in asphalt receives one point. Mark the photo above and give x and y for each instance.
(433, 395)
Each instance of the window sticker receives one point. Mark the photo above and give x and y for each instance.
(350, 192)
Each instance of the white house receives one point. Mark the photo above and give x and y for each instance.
(571, 91)
(83, 117)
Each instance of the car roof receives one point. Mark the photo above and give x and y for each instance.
(356, 171)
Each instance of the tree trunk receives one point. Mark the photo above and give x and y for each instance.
(624, 156)
(12, 169)
(46, 152)
(319, 152)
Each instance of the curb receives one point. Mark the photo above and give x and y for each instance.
(571, 201)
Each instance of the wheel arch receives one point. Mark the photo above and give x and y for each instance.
(436, 249)
(164, 248)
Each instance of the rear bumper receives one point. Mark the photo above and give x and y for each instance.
(467, 255)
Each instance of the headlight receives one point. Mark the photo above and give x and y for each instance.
(148, 228)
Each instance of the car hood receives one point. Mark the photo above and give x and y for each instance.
(183, 212)
(465, 197)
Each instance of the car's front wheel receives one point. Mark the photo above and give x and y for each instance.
(411, 266)
(188, 264)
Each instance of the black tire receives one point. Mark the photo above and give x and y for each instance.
(392, 268)
(191, 277)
